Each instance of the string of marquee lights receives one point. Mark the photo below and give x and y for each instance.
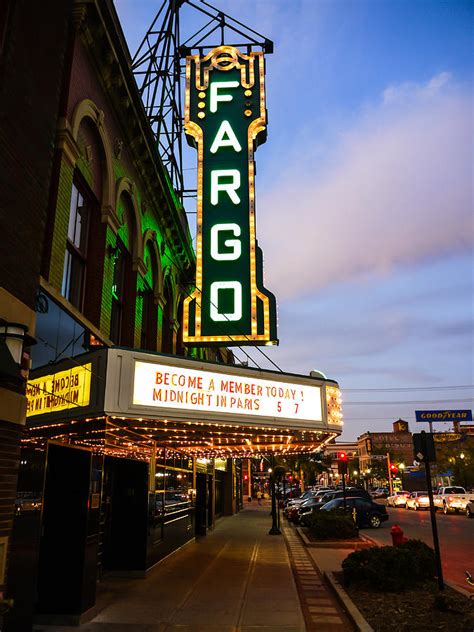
(116, 440)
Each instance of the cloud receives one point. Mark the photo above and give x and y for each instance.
(396, 190)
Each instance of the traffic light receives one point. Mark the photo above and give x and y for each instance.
(246, 478)
(342, 456)
(393, 468)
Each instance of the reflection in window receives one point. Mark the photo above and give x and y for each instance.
(58, 335)
(76, 250)
(177, 491)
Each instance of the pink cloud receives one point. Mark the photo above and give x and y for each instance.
(398, 191)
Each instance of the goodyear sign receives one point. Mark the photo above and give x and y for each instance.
(226, 120)
(443, 415)
(59, 391)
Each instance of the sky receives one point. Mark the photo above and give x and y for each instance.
(364, 196)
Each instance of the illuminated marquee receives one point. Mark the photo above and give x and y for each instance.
(59, 391)
(162, 386)
(225, 118)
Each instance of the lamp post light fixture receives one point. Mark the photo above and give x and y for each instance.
(13, 340)
(401, 466)
(14, 336)
(461, 456)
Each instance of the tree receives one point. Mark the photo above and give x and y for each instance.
(457, 457)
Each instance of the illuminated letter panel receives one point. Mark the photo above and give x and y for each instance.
(225, 119)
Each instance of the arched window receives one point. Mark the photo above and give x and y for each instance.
(85, 242)
(75, 259)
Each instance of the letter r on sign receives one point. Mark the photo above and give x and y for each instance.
(229, 187)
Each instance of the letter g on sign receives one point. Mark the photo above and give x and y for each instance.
(235, 244)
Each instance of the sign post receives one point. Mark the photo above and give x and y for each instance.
(425, 452)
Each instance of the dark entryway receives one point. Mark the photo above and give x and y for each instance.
(125, 513)
(220, 491)
(202, 503)
(67, 568)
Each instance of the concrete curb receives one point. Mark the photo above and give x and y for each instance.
(334, 544)
(346, 602)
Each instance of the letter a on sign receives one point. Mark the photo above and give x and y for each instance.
(225, 118)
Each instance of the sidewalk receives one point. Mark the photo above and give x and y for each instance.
(236, 579)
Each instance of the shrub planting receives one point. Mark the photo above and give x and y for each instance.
(329, 525)
(390, 568)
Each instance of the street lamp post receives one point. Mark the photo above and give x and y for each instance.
(274, 529)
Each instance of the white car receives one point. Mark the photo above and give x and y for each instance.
(418, 500)
(398, 499)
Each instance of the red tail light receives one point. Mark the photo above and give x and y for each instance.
(450, 498)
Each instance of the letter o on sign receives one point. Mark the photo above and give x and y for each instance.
(236, 287)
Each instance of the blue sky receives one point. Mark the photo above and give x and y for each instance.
(365, 195)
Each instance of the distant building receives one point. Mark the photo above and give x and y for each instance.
(463, 428)
(398, 442)
(331, 451)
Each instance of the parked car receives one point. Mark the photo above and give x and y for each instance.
(453, 498)
(380, 492)
(322, 500)
(470, 509)
(398, 499)
(418, 500)
(367, 513)
(306, 508)
(296, 502)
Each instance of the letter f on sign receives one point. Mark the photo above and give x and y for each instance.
(215, 97)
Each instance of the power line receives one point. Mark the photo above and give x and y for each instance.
(425, 401)
(407, 388)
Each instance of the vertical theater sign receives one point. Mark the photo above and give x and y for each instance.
(225, 119)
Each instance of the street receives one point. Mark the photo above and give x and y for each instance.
(456, 537)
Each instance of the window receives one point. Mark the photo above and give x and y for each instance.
(76, 250)
(361, 503)
(118, 293)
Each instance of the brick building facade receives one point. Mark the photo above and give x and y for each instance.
(398, 442)
(31, 70)
(96, 248)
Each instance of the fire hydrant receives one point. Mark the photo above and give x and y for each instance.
(397, 535)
